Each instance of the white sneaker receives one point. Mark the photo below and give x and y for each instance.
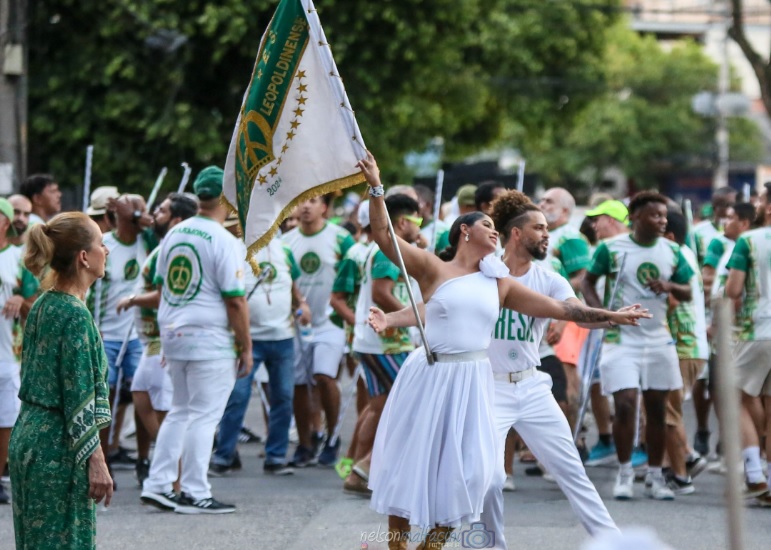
(657, 489)
(508, 485)
(624, 487)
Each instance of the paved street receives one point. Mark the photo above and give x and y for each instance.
(309, 511)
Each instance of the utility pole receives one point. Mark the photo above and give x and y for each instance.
(13, 97)
(721, 136)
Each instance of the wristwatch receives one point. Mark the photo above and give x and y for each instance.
(136, 215)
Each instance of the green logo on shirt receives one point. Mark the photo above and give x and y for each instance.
(267, 265)
(310, 263)
(131, 270)
(646, 272)
(184, 275)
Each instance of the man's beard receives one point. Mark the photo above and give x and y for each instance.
(535, 250)
(20, 229)
(161, 230)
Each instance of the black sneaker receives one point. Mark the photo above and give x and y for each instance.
(701, 442)
(121, 460)
(328, 456)
(696, 466)
(277, 470)
(248, 436)
(162, 501)
(680, 486)
(5, 498)
(219, 470)
(303, 457)
(317, 440)
(142, 470)
(188, 505)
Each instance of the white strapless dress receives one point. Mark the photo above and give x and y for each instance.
(435, 450)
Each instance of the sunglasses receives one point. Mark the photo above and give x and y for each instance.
(414, 219)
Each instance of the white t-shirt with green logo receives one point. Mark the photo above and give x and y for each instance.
(752, 255)
(121, 278)
(517, 337)
(661, 260)
(14, 279)
(271, 316)
(200, 263)
(317, 256)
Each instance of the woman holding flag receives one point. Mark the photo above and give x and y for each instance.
(435, 450)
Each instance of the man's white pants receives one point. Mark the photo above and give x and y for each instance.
(529, 407)
(201, 392)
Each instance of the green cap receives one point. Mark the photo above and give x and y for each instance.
(7, 210)
(615, 209)
(208, 184)
(466, 194)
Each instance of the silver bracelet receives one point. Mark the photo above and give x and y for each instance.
(376, 191)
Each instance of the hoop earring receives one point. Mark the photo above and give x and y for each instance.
(466, 239)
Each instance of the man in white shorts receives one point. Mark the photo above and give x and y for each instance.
(204, 322)
(151, 387)
(749, 280)
(318, 246)
(523, 397)
(16, 285)
(644, 357)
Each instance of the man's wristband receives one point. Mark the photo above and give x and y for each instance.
(376, 191)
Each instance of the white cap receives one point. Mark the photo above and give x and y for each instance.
(363, 214)
(99, 199)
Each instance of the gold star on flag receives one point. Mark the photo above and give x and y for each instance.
(259, 73)
(298, 112)
(262, 179)
(289, 134)
(300, 74)
(273, 171)
(301, 100)
(303, 88)
(285, 148)
(295, 124)
(278, 161)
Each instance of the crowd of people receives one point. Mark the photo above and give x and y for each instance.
(520, 318)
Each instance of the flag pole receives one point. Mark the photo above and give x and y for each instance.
(87, 177)
(437, 207)
(185, 177)
(595, 358)
(406, 276)
(521, 176)
(156, 189)
(728, 414)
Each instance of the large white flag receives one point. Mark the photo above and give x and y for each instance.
(296, 136)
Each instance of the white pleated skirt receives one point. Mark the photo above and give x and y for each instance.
(435, 450)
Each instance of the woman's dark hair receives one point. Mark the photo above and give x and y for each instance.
(466, 219)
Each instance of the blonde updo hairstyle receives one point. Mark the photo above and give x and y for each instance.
(53, 247)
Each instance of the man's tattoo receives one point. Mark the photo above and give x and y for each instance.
(581, 314)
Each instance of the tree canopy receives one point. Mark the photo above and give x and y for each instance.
(642, 122)
(157, 83)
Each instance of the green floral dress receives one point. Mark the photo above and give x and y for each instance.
(65, 403)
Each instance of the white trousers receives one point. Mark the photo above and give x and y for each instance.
(530, 408)
(201, 391)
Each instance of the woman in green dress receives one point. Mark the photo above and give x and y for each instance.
(57, 467)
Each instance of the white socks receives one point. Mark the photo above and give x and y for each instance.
(752, 467)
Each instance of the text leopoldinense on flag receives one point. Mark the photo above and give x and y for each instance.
(296, 136)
